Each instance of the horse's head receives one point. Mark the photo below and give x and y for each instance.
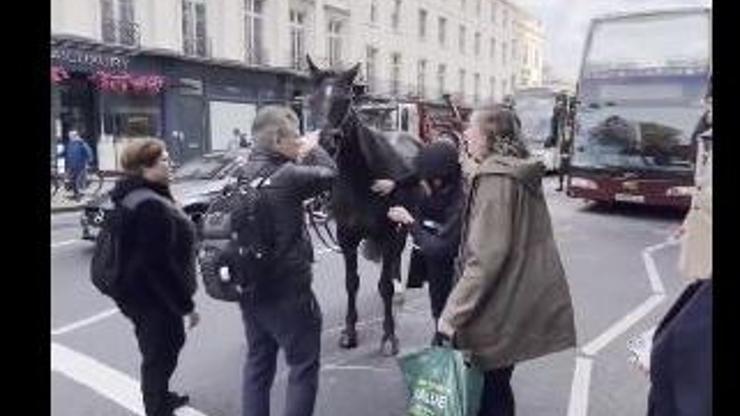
(330, 103)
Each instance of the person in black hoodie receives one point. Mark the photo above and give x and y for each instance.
(279, 308)
(158, 280)
(436, 230)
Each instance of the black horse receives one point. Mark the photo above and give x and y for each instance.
(363, 155)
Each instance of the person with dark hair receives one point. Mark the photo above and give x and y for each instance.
(279, 309)
(436, 227)
(158, 278)
(511, 301)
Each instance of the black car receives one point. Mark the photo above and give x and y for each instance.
(195, 185)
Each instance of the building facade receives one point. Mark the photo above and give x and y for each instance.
(192, 72)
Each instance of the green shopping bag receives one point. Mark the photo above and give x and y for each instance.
(440, 384)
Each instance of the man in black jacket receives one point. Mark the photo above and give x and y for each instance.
(158, 281)
(280, 310)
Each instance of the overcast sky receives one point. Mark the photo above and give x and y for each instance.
(566, 22)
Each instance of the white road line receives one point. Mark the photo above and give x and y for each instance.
(579, 392)
(85, 322)
(355, 367)
(65, 243)
(618, 328)
(652, 272)
(106, 381)
(578, 405)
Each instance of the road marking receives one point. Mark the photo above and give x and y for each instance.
(106, 381)
(65, 243)
(620, 327)
(356, 367)
(84, 322)
(579, 392)
(578, 405)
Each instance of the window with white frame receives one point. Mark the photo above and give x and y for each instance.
(513, 83)
(118, 25)
(525, 56)
(506, 19)
(503, 87)
(494, 9)
(441, 70)
(371, 71)
(514, 50)
(477, 44)
(421, 78)
(254, 19)
(395, 74)
(396, 14)
(493, 49)
(334, 40)
(504, 53)
(194, 28)
(478, 7)
(492, 86)
(442, 32)
(297, 38)
(422, 23)
(463, 3)
(461, 89)
(462, 39)
(476, 88)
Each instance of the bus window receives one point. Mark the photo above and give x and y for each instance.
(405, 119)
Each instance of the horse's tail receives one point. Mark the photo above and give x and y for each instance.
(371, 250)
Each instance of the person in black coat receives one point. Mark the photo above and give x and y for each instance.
(436, 228)
(279, 309)
(158, 280)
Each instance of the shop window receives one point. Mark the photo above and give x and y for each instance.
(131, 117)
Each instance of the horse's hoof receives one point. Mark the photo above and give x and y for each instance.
(389, 346)
(348, 339)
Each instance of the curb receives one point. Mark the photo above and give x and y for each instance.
(72, 208)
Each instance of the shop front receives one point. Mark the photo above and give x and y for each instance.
(110, 96)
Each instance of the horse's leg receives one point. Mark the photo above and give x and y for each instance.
(349, 240)
(393, 247)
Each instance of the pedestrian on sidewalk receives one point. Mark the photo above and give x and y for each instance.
(279, 309)
(511, 302)
(436, 228)
(158, 280)
(78, 156)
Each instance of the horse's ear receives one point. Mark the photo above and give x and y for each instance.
(350, 75)
(313, 69)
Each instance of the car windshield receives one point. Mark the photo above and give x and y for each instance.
(383, 118)
(535, 114)
(205, 167)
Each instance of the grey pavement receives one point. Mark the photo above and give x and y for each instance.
(601, 250)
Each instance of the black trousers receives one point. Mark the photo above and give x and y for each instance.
(161, 336)
(292, 324)
(439, 276)
(498, 397)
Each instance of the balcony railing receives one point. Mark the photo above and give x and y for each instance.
(121, 32)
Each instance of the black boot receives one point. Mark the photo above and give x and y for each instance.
(175, 400)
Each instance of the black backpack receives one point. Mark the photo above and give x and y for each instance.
(105, 267)
(237, 236)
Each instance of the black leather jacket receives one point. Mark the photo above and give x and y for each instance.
(285, 191)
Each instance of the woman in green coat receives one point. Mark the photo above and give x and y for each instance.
(511, 301)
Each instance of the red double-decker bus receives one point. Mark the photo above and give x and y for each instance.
(639, 96)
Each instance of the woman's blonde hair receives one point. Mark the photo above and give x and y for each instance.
(505, 140)
(140, 154)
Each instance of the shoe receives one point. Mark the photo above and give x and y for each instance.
(175, 400)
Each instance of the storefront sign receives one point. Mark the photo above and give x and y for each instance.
(124, 82)
(90, 59)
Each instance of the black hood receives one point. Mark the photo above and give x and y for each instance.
(129, 183)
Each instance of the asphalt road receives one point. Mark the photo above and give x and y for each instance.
(95, 359)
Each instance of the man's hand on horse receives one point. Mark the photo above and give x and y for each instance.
(400, 215)
(383, 186)
(308, 143)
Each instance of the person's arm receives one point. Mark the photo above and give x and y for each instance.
(487, 248)
(444, 243)
(155, 230)
(315, 173)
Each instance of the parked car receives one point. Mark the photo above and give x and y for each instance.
(195, 185)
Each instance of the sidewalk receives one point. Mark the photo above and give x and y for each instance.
(62, 202)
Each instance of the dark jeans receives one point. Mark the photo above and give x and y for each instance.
(161, 336)
(498, 397)
(292, 324)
